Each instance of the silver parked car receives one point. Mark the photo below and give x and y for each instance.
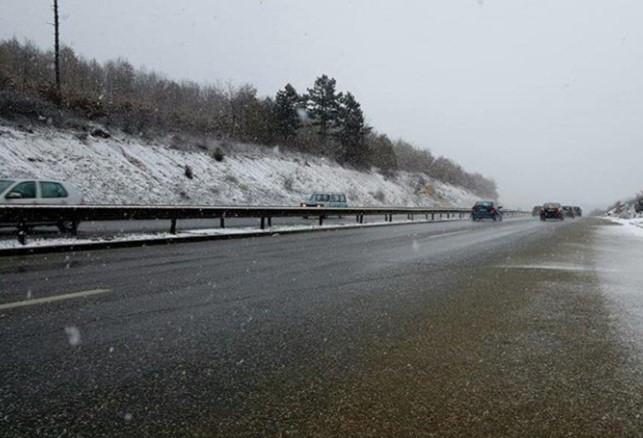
(39, 192)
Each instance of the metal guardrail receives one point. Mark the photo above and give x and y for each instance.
(25, 216)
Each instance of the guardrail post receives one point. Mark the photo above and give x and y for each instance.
(269, 221)
(222, 222)
(263, 223)
(357, 218)
(448, 215)
(321, 220)
(22, 233)
(361, 218)
(74, 228)
(432, 216)
(173, 226)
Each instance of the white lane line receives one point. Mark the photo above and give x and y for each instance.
(85, 293)
(452, 233)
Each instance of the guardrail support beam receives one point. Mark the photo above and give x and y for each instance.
(173, 226)
(222, 222)
(263, 223)
(321, 220)
(22, 233)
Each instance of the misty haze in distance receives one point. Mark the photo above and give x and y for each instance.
(545, 97)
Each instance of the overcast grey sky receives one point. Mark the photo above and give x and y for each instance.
(546, 96)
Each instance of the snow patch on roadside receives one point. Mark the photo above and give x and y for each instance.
(275, 230)
(632, 226)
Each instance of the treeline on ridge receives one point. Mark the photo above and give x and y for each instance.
(322, 120)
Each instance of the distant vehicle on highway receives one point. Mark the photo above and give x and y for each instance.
(328, 200)
(578, 212)
(536, 210)
(39, 192)
(486, 210)
(552, 210)
(568, 211)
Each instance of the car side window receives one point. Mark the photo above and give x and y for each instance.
(342, 198)
(333, 198)
(52, 190)
(26, 190)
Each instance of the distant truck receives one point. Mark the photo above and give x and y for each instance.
(638, 205)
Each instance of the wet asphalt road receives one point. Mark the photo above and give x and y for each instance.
(446, 329)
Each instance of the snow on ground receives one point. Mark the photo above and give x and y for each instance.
(624, 213)
(128, 170)
(33, 242)
(632, 226)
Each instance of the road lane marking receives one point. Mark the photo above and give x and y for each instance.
(44, 300)
(452, 233)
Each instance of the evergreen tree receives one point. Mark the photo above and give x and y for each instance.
(322, 104)
(350, 131)
(286, 117)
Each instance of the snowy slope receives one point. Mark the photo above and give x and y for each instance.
(126, 169)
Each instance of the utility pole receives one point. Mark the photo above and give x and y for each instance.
(57, 48)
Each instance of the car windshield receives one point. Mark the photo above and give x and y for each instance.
(178, 256)
(4, 184)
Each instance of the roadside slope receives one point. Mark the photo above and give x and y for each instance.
(127, 169)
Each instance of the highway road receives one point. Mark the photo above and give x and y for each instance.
(446, 329)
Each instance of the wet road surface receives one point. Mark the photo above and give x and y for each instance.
(445, 329)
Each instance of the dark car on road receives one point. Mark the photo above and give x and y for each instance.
(486, 210)
(568, 211)
(552, 210)
(578, 212)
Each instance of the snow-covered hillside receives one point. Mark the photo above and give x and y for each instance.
(625, 214)
(126, 169)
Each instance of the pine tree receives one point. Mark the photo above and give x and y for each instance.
(351, 131)
(286, 107)
(322, 104)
